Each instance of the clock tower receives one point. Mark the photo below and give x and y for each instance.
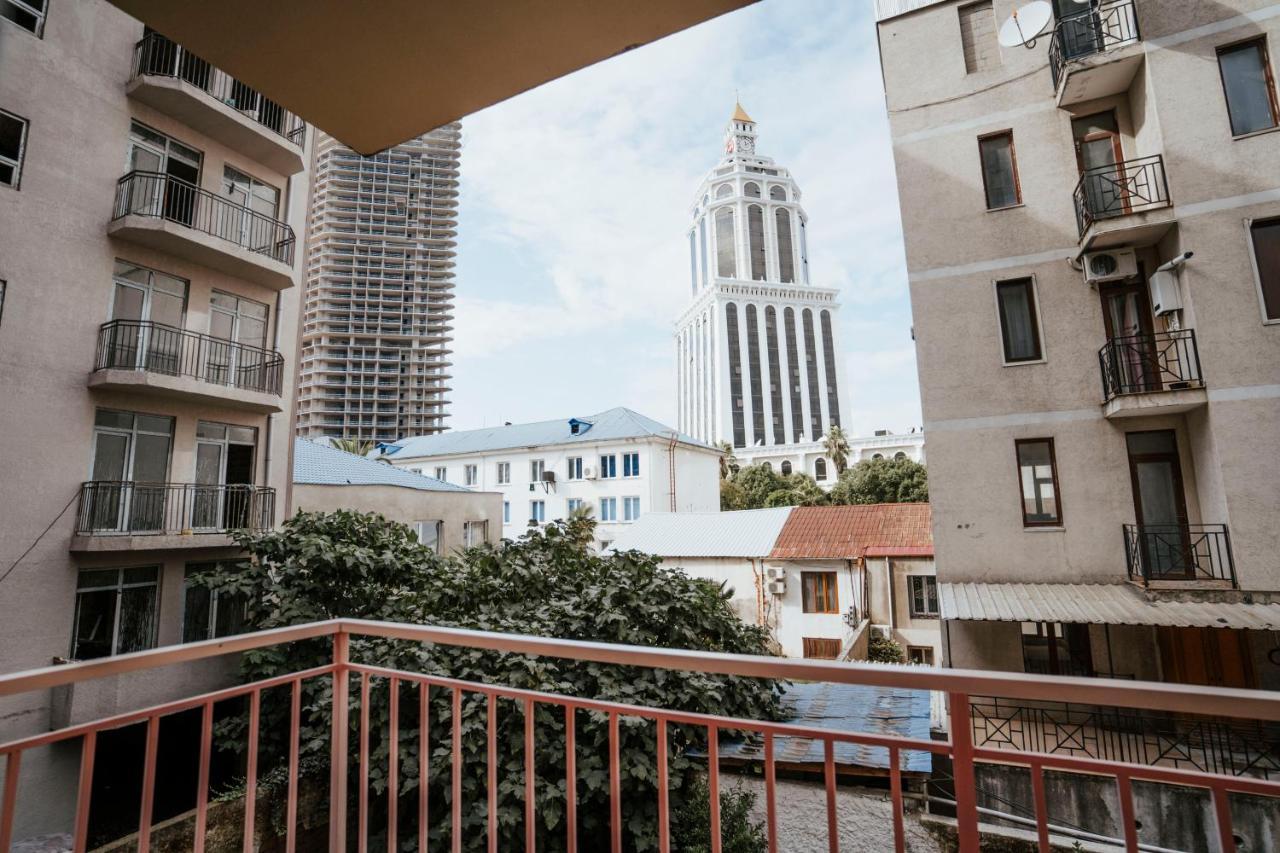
(740, 135)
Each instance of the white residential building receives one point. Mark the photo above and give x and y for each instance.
(818, 578)
(619, 463)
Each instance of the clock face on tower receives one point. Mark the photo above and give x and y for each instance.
(746, 145)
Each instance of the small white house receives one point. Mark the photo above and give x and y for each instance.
(810, 457)
(819, 578)
(619, 463)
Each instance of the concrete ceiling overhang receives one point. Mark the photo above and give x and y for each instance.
(376, 73)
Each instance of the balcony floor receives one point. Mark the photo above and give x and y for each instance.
(213, 252)
(185, 388)
(1100, 75)
(98, 543)
(1155, 403)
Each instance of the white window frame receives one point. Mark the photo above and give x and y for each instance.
(1035, 301)
(16, 183)
(610, 517)
(572, 504)
(537, 467)
(612, 467)
(636, 470)
(470, 475)
(504, 473)
(628, 502)
(38, 32)
(575, 468)
(420, 526)
(441, 473)
(469, 529)
(506, 512)
(538, 511)
(911, 596)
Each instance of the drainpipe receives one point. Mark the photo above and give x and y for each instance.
(893, 599)
(671, 464)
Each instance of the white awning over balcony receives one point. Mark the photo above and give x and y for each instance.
(1107, 604)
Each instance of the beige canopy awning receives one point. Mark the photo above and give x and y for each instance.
(375, 74)
(1111, 604)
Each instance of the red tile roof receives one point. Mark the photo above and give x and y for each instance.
(847, 532)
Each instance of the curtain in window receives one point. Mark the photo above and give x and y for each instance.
(1017, 321)
(998, 171)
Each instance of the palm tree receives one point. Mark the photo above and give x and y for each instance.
(728, 462)
(358, 446)
(837, 447)
(581, 524)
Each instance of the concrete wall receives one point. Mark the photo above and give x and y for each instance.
(975, 406)
(57, 260)
(407, 506)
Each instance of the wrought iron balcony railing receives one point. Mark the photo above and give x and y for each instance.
(130, 507)
(1144, 364)
(1131, 186)
(1179, 552)
(157, 56)
(1091, 31)
(175, 200)
(1191, 742)
(157, 348)
(427, 800)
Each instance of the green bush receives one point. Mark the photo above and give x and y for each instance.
(357, 565)
(881, 649)
(691, 820)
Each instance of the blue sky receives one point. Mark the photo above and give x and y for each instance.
(572, 261)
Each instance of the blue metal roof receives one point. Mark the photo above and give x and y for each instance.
(845, 708)
(322, 465)
(619, 423)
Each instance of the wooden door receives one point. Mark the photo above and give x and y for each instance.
(1098, 150)
(1216, 657)
(1126, 316)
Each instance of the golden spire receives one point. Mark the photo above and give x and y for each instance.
(739, 114)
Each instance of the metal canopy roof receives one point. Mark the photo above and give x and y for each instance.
(1114, 604)
(319, 465)
(376, 74)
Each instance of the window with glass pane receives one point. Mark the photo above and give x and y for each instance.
(573, 505)
(631, 464)
(608, 509)
(608, 466)
(28, 14)
(442, 474)
(506, 512)
(575, 468)
(726, 252)
(1057, 648)
(1249, 86)
(1266, 254)
(630, 508)
(755, 241)
(504, 473)
(536, 469)
(475, 533)
(1038, 480)
(429, 533)
(470, 475)
(115, 612)
(255, 227)
(924, 596)
(999, 170)
(1019, 329)
(13, 139)
(818, 592)
(537, 511)
(207, 614)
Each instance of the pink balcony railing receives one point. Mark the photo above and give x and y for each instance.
(957, 685)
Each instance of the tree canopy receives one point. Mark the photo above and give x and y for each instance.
(869, 481)
(548, 583)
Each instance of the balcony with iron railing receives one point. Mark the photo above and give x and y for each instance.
(1123, 204)
(180, 218)
(1179, 555)
(128, 515)
(175, 81)
(1151, 374)
(147, 357)
(1095, 52)
(331, 751)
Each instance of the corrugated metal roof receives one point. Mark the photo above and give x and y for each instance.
(1115, 604)
(321, 465)
(614, 424)
(846, 532)
(741, 533)
(845, 708)
(886, 9)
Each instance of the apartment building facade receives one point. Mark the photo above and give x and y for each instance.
(1092, 230)
(150, 207)
(380, 281)
(618, 464)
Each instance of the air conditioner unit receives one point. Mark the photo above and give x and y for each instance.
(588, 473)
(777, 587)
(548, 476)
(775, 573)
(1165, 295)
(1111, 265)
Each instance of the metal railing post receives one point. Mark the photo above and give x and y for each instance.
(962, 771)
(339, 745)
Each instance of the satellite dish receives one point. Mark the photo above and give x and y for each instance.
(1026, 24)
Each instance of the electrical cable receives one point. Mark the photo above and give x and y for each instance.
(24, 554)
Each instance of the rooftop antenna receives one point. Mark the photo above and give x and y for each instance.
(1026, 24)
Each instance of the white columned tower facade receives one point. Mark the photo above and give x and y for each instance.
(757, 350)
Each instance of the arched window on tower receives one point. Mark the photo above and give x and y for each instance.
(755, 239)
(767, 465)
(811, 361)
(804, 253)
(702, 249)
(786, 467)
(899, 456)
(793, 375)
(786, 258)
(726, 254)
(724, 190)
(777, 193)
(751, 190)
(735, 375)
(693, 261)
(820, 469)
(829, 362)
